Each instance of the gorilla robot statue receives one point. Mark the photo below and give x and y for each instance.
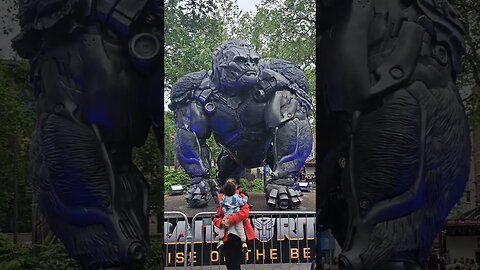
(257, 111)
(96, 71)
(394, 145)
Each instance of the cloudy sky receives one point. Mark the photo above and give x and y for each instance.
(248, 5)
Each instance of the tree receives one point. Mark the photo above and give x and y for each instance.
(279, 29)
(150, 162)
(17, 118)
(470, 77)
(192, 32)
(284, 29)
(169, 134)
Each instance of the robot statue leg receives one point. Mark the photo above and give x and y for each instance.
(407, 168)
(89, 118)
(99, 215)
(227, 167)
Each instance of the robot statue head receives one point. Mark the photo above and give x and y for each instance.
(235, 66)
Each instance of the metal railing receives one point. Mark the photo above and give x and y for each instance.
(297, 227)
(180, 232)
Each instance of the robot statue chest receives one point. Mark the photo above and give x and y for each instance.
(234, 114)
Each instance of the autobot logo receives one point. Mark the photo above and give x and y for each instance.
(264, 228)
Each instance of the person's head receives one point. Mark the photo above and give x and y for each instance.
(467, 260)
(235, 66)
(230, 187)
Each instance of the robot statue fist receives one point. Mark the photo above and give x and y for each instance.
(280, 193)
(200, 192)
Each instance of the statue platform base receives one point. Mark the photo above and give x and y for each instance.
(178, 203)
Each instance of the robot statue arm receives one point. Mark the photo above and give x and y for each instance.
(419, 35)
(286, 115)
(279, 75)
(191, 134)
(288, 119)
(192, 151)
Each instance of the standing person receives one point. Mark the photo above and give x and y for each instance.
(443, 263)
(474, 264)
(334, 266)
(432, 262)
(451, 266)
(232, 242)
(467, 264)
(231, 202)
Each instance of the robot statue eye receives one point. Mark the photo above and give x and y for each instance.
(240, 60)
(256, 60)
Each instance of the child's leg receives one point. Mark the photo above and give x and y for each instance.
(240, 231)
(221, 234)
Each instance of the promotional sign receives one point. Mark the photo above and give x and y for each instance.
(462, 222)
(279, 240)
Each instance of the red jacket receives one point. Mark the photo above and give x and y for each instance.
(241, 215)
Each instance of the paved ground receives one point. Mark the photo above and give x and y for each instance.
(289, 266)
(177, 203)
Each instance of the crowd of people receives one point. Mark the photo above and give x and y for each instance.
(463, 264)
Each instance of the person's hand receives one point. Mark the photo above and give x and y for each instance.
(226, 222)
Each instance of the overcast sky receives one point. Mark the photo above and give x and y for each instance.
(248, 5)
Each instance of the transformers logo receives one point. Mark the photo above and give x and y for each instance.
(264, 228)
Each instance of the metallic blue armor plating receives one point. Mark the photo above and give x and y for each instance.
(97, 76)
(257, 112)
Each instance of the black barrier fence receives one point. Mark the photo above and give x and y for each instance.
(175, 235)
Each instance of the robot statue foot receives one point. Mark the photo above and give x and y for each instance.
(198, 194)
(283, 197)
